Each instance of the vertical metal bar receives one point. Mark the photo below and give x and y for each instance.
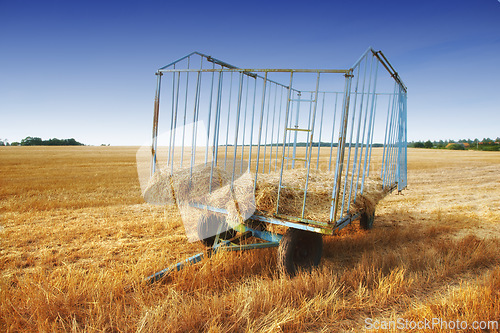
(228, 116)
(333, 132)
(278, 130)
(196, 115)
(364, 124)
(175, 122)
(400, 142)
(185, 112)
(356, 165)
(385, 150)
(395, 149)
(195, 122)
(340, 149)
(156, 116)
(308, 157)
(215, 146)
(387, 175)
(370, 134)
(309, 126)
(209, 113)
(244, 126)
(346, 177)
(272, 127)
(371, 139)
(405, 139)
(288, 142)
(392, 144)
(287, 111)
(405, 99)
(295, 134)
(171, 117)
(237, 126)
(388, 149)
(267, 125)
(251, 126)
(320, 130)
(260, 129)
(395, 152)
(366, 113)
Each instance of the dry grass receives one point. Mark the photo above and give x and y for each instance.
(76, 241)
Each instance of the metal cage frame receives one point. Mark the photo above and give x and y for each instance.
(262, 116)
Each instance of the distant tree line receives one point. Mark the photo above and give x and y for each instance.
(486, 144)
(36, 141)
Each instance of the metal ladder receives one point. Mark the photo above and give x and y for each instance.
(285, 156)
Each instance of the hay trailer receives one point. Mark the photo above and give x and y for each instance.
(258, 158)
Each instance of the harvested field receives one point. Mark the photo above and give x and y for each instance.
(76, 240)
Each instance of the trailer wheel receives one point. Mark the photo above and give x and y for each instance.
(299, 250)
(366, 220)
(207, 228)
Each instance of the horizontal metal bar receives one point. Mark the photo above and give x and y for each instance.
(258, 70)
(265, 235)
(210, 208)
(295, 159)
(323, 227)
(303, 100)
(272, 240)
(261, 218)
(253, 246)
(292, 224)
(297, 129)
(177, 267)
(302, 220)
(343, 222)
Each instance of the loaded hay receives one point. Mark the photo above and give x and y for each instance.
(241, 201)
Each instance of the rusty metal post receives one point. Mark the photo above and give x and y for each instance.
(340, 148)
(156, 115)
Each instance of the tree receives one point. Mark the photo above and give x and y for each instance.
(35, 141)
(428, 144)
(455, 146)
(418, 145)
(31, 141)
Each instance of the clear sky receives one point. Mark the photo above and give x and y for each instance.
(85, 69)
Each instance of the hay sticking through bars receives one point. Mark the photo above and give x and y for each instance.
(206, 186)
(319, 194)
(241, 204)
(184, 185)
(240, 201)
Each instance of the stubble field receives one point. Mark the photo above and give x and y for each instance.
(77, 239)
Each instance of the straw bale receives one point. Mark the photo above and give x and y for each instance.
(184, 185)
(241, 200)
(238, 201)
(242, 203)
(319, 194)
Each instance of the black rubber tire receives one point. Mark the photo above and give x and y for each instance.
(299, 250)
(207, 228)
(366, 220)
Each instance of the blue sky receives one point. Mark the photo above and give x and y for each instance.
(85, 69)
